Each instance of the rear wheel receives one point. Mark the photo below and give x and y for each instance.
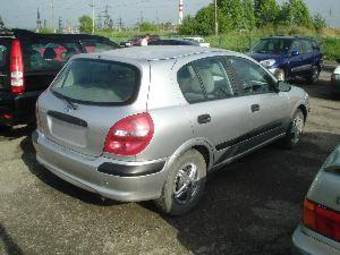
(185, 184)
(295, 130)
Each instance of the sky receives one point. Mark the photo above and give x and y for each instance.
(22, 13)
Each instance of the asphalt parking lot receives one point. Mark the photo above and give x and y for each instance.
(249, 207)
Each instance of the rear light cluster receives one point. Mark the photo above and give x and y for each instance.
(130, 135)
(322, 220)
(17, 68)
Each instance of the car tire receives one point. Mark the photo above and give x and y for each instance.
(295, 130)
(313, 77)
(185, 184)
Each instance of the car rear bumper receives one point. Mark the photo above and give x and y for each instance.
(17, 109)
(118, 180)
(307, 242)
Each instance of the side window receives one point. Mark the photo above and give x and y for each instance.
(91, 46)
(190, 85)
(47, 54)
(252, 78)
(296, 45)
(214, 78)
(3, 54)
(307, 46)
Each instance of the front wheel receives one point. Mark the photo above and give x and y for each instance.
(295, 130)
(184, 185)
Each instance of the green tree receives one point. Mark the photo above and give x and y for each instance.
(85, 23)
(298, 13)
(188, 26)
(204, 21)
(266, 11)
(249, 14)
(148, 27)
(319, 22)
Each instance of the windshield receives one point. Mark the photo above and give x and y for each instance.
(272, 45)
(97, 81)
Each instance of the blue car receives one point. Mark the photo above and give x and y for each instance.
(288, 57)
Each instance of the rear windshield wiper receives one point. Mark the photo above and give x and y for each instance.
(67, 100)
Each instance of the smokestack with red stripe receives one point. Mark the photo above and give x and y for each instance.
(181, 12)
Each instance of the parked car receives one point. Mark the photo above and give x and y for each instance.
(335, 79)
(320, 231)
(28, 64)
(174, 42)
(137, 40)
(148, 123)
(198, 40)
(288, 57)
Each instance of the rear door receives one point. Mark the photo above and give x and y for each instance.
(5, 44)
(308, 56)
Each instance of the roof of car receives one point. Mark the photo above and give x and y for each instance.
(158, 52)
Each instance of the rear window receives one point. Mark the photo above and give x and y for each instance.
(45, 55)
(3, 55)
(98, 82)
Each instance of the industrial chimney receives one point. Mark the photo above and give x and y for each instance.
(181, 12)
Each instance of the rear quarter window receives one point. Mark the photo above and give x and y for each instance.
(3, 54)
(98, 82)
(48, 55)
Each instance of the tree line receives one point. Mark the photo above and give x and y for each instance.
(246, 15)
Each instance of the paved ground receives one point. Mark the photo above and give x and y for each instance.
(252, 207)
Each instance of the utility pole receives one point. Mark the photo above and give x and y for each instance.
(93, 17)
(52, 15)
(216, 17)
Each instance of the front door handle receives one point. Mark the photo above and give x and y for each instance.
(255, 108)
(204, 118)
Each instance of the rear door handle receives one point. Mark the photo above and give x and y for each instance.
(255, 108)
(204, 118)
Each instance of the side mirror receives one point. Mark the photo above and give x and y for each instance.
(282, 86)
(295, 53)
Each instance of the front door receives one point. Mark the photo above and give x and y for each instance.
(269, 109)
(217, 113)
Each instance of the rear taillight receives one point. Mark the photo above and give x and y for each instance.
(322, 220)
(17, 68)
(130, 135)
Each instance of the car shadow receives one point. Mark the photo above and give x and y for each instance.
(54, 181)
(9, 245)
(11, 133)
(253, 205)
(321, 89)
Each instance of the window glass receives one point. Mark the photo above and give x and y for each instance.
(3, 55)
(214, 78)
(297, 46)
(91, 46)
(272, 45)
(252, 78)
(97, 81)
(307, 46)
(190, 85)
(48, 55)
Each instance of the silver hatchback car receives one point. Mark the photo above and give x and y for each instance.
(149, 123)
